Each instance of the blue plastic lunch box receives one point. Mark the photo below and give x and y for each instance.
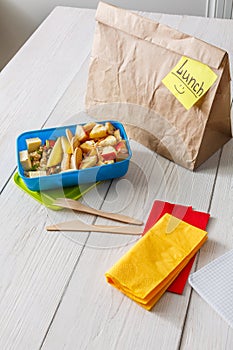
(72, 177)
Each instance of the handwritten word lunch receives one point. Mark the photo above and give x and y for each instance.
(189, 80)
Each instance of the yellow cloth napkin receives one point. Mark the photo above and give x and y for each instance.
(151, 265)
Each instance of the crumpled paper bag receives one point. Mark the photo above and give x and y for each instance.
(133, 65)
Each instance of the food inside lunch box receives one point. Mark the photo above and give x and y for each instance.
(93, 144)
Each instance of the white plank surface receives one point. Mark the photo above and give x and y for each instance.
(34, 81)
(98, 316)
(53, 294)
(204, 320)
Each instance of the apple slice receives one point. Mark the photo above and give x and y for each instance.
(99, 163)
(65, 164)
(80, 133)
(121, 147)
(98, 132)
(69, 135)
(109, 161)
(110, 128)
(66, 147)
(93, 152)
(76, 158)
(78, 154)
(49, 143)
(117, 135)
(89, 126)
(109, 153)
(108, 141)
(88, 162)
(74, 143)
(87, 146)
(121, 156)
(56, 154)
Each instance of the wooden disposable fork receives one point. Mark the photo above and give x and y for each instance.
(75, 205)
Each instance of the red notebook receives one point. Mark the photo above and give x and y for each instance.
(187, 214)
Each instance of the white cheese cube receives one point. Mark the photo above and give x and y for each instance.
(25, 160)
(33, 144)
(37, 173)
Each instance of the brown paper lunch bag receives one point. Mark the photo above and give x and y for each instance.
(130, 56)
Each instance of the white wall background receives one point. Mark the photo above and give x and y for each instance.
(19, 18)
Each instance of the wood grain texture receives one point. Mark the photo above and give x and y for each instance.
(29, 93)
(101, 335)
(35, 267)
(113, 319)
(53, 294)
(201, 316)
(36, 78)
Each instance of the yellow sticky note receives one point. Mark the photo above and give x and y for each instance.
(189, 80)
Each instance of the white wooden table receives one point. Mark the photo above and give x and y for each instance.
(53, 294)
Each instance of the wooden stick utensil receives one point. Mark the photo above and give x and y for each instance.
(75, 205)
(78, 225)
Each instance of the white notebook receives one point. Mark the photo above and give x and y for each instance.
(214, 283)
